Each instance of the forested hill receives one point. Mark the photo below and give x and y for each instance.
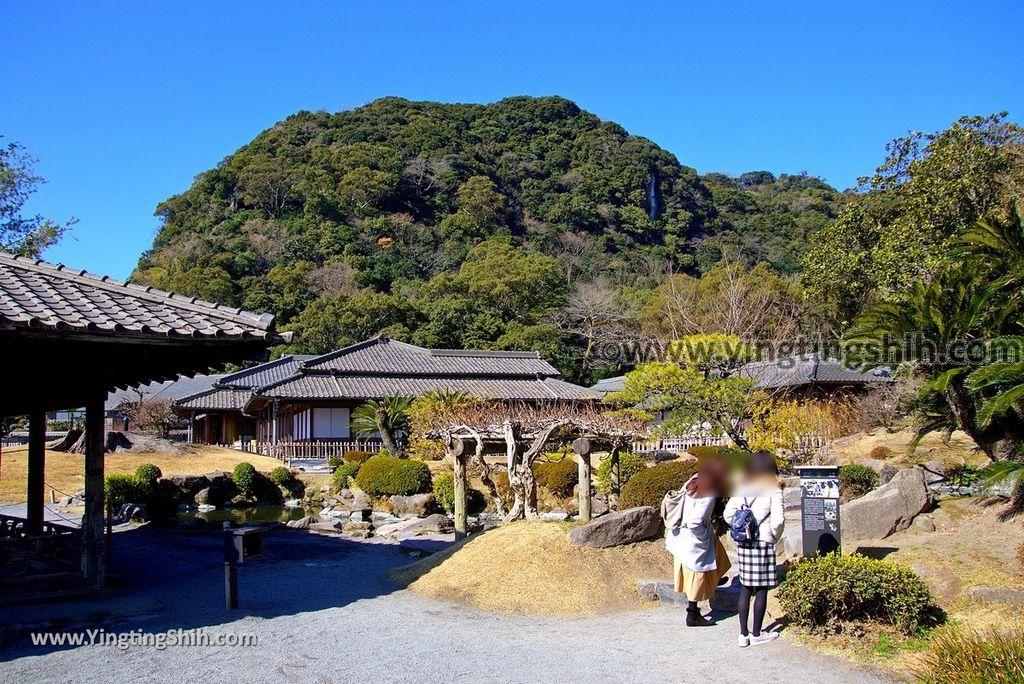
(397, 205)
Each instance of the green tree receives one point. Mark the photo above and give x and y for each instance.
(387, 417)
(897, 230)
(330, 323)
(19, 234)
(700, 390)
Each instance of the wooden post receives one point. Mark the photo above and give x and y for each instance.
(582, 447)
(36, 470)
(458, 452)
(93, 552)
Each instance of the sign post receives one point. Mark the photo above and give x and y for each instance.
(239, 545)
(819, 504)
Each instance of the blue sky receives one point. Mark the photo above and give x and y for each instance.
(123, 103)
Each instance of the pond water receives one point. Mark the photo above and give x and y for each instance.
(249, 514)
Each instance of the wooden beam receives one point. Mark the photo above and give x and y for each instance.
(36, 471)
(93, 535)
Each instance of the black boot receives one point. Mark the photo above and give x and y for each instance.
(695, 619)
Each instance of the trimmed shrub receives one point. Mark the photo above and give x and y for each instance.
(344, 474)
(148, 473)
(880, 452)
(244, 476)
(830, 590)
(705, 451)
(281, 476)
(649, 487)
(334, 461)
(856, 480)
(122, 488)
(361, 456)
(444, 491)
(558, 477)
(958, 655)
(629, 465)
(385, 476)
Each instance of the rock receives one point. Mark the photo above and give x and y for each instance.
(791, 497)
(352, 526)
(66, 500)
(648, 589)
(354, 500)
(623, 527)
(875, 464)
(188, 485)
(944, 584)
(414, 506)
(572, 506)
(203, 496)
(331, 526)
(293, 503)
(1001, 595)
(301, 523)
(886, 510)
(392, 530)
(934, 472)
(886, 474)
(598, 505)
(923, 523)
(660, 455)
(792, 542)
(360, 534)
(556, 515)
(432, 524)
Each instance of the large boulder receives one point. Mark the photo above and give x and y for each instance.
(188, 485)
(414, 506)
(302, 523)
(354, 500)
(888, 509)
(432, 524)
(624, 527)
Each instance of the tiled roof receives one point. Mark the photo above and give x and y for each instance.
(329, 386)
(35, 294)
(169, 389)
(216, 399)
(382, 355)
(805, 369)
(265, 373)
(603, 387)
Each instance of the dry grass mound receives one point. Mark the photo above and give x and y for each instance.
(530, 568)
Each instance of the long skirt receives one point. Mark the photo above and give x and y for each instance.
(700, 586)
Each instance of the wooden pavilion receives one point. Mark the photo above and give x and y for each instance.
(69, 338)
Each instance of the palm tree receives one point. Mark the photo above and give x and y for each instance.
(1009, 474)
(957, 307)
(388, 417)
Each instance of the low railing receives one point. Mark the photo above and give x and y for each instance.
(58, 548)
(318, 449)
(680, 443)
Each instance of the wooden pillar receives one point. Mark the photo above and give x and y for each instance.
(36, 470)
(93, 536)
(582, 447)
(458, 452)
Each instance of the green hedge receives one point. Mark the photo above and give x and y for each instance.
(649, 487)
(629, 466)
(558, 477)
(344, 474)
(244, 476)
(856, 480)
(358, 456)
(385, 476)
(122, 488)
(148, 473)
(444, 492)
(281, 476)
(832, 589)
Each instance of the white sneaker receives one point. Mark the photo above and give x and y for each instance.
(763, 638)
(743, 641)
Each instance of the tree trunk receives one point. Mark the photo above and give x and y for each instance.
(520, 469)
(513, 460)
(388, 439)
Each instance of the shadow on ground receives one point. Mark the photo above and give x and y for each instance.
(168, 579)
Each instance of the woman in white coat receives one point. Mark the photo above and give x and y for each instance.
(699, 559)
(760, 493)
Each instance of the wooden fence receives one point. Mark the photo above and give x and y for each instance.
(318, 449)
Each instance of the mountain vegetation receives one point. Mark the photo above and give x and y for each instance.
(520, 224)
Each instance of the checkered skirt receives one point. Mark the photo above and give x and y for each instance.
(756, 564)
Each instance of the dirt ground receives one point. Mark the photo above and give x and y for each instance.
(530, 568)
(959, 449)
(65, 472)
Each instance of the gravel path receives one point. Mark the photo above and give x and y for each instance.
(323, 612)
